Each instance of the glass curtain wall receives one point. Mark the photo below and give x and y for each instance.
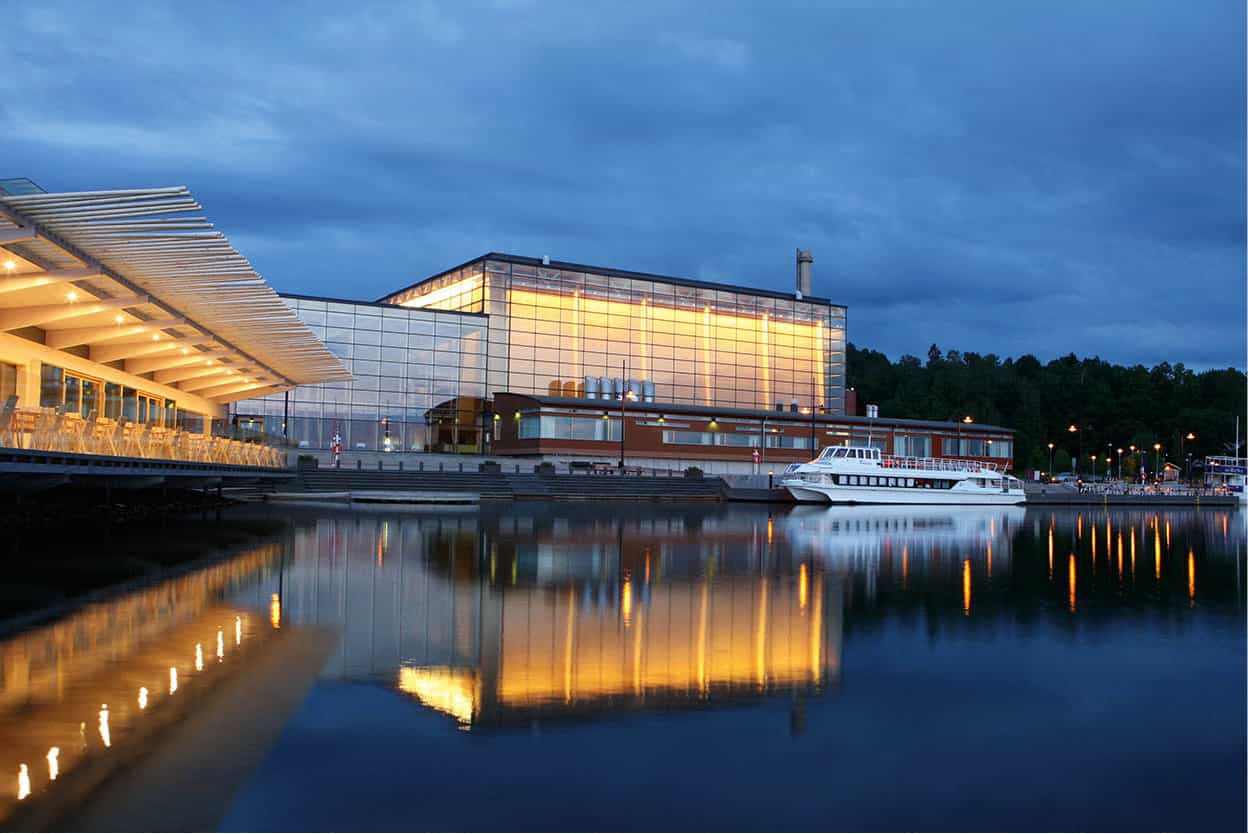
(582, 334)
(418, 381)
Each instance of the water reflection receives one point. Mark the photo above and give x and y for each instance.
(518, 614)
(73, 691)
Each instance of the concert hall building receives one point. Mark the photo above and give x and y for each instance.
(516, 356)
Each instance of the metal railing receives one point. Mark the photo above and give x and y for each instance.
(938, 464)
(53, 430)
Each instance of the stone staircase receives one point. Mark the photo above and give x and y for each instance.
(510, 486)
(491, 487)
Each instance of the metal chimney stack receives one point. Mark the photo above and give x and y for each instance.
(804, 260)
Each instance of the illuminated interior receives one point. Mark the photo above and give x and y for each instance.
(551, 329)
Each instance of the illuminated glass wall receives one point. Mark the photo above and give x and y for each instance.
(418, 381)
(579, 334)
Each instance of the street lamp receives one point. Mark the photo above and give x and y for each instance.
(1075, 430)
(1094, 467)
(1188, 437)
(1050, 461)
(1120, 464)
(1157, 467)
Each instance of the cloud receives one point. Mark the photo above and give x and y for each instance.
(997, 178)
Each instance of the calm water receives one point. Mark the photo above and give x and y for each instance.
(670, 667)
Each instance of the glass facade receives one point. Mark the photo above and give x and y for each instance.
(418, 381)
(586, 334)
(428, 360)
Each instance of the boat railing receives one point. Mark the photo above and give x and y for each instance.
(937, 464)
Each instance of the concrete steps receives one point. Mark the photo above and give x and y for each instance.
(511, 486)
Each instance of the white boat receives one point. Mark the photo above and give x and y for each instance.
(863, 475)
(1228, 473)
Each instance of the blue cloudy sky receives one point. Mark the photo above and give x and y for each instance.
(992, 176)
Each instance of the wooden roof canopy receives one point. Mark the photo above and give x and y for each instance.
(141, 283)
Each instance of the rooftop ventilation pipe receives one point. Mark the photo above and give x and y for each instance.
(804, 260)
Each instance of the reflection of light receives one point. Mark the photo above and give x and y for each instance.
(105, 736)
(1191, 577)
(1094, 548)
(446, 690)
(626, 601)
(905, 565)
(1157, 552)
(275, 611)
(703, 611)
(816, 633)
(769, 529)
(173, 679)
(54, 763)
(199, 657)
(1050, 554)
(1079, 529)
(966, 586)
(1072, 571)
(990, 560)
(220, 644)
(802, 589)
(760, 638)
(567, 639)
(1120, 554)
(238, 630)
(142, 697)
(1167, 534)
(1133, 553)
(23, 781)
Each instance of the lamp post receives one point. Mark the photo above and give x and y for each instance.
(1188, 437)
(1051, 461)
(1157, 467)
(1094, 467)
(1120, 464)
(1073, 429)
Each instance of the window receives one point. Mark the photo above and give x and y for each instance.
(51, 386)
(916, 447)
(73, 392)
(90, 398)
(8, 382)
(112, 400)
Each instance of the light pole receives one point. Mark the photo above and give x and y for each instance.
(1050, 461)
(1188, 437)
(1157, 467)
(1132, 447)
(1120, 464)
(1075, 430)
(1094, 467)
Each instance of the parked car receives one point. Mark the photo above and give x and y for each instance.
(1064, 478)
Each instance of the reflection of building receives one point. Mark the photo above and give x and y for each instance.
(106, 678)
(717, 371)
(456, 613)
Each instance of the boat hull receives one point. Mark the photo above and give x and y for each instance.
(815, 493)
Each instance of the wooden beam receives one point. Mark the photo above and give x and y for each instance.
(190, 386)
(188, 372)
(61, 339)
(239, 387)
(12, 319)
(148, 364)
(30, 280)
(131, 350)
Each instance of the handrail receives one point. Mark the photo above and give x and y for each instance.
(54, 431)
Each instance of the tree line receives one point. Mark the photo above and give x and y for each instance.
(1111, 406)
